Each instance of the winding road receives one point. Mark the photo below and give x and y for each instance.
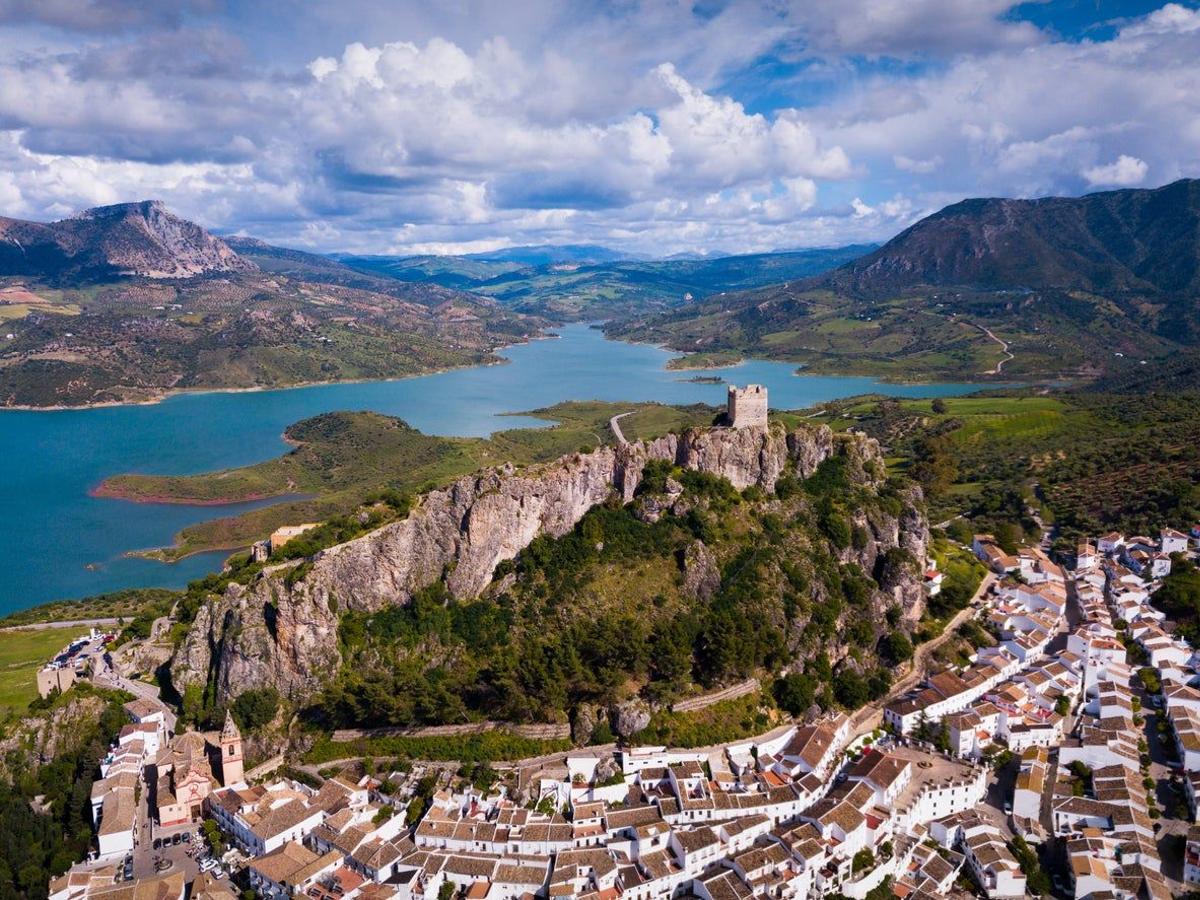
(1008, 354)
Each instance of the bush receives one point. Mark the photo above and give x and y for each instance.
(896, 647)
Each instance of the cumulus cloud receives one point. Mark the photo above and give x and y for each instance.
(562, 120)
(1125, 171)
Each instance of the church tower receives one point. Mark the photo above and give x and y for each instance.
(231, 753)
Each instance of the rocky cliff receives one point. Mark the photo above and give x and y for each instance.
(281, 630)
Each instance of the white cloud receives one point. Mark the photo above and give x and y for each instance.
(1126, 171)
(916, 166)
(385, 127)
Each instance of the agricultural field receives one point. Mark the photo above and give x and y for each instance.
(22, 653)
(1084, 461)
(17, 302)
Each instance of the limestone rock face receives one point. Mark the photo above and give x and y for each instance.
(283, 634)
(629, 717)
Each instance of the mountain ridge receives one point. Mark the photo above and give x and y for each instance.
(1125, 240)
(1069, 286)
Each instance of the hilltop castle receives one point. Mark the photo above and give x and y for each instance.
(747, 407)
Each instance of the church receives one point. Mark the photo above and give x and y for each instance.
(192, 765)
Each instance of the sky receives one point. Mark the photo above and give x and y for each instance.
(652, 127)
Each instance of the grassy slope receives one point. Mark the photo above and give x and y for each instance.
(22, 653)
(343, 457)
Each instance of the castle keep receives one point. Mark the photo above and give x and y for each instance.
(747, 407)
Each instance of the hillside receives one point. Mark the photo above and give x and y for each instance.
(1140, 241)
(128, 303)
(984, 288)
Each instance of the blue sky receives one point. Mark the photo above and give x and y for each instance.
(655, 127)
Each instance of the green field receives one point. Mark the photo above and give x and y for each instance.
(22, 653)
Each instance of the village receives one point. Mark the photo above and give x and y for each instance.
(1041, 740)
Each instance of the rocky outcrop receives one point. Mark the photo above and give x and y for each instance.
(282, 631)
(629, 717)
(35, 740)
(701, 577)
(142, 238)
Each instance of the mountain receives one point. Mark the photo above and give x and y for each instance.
(143, 239)
(983, 288)
(1144, 241)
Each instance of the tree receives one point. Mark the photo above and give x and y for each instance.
(938, 406)
(862, 861)
(934, 464)
(256, 707)
(850, 689)
(896, 647)
(795, 692)
(1150, 679)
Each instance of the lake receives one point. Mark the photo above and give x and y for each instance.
(57, 542)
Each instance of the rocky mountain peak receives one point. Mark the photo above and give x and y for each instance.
(143, 239)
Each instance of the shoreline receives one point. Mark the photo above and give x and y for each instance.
(165, 395)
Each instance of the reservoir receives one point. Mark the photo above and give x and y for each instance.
(57, 542)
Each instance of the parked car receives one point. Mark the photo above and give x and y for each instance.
(176, 839)
(187, 837)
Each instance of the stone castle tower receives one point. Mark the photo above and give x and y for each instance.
(747, 407)
(232, 771)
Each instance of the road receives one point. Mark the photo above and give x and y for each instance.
(72, 623)
(614, 424)
(868, 718)
(995, 370)
(106, 677)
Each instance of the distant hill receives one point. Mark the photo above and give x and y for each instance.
(548, 254)
(1127, 240)
(143, 239)
(587, 290)
(983, 288)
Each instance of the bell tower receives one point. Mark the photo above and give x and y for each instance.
(231, 753)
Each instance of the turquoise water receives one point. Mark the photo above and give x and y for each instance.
(56, 541)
